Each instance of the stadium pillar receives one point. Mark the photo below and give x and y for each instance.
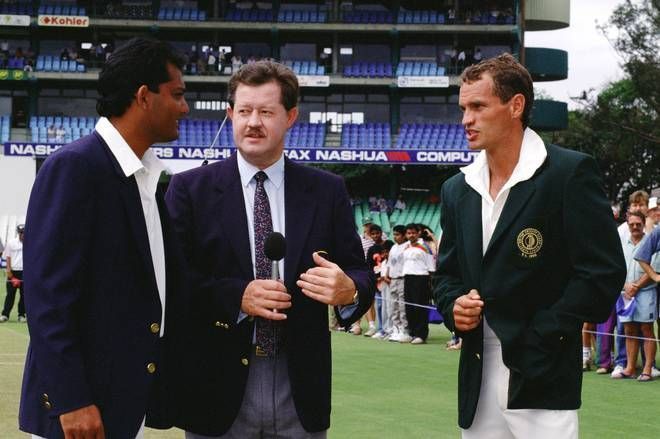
(275, 43)
(395, 108)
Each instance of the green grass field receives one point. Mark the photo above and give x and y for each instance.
(388, 390)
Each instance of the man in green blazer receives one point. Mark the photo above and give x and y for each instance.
(529, 252)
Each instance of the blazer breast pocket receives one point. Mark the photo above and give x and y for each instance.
(529, 242)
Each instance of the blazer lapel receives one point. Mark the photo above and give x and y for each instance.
(230, 210)
(516, 200)
(469, 223)
(300, 205)
(130, 195)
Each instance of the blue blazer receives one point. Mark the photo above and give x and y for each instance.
(93, 300)
(208, 212)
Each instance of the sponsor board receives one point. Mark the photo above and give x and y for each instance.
(313, 81)
(63, 20)
(14, 20)
(13, 75)
(308, 155)
(422, 81)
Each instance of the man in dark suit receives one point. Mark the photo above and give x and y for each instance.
(529, 252)
(101, 273)
(257, 358)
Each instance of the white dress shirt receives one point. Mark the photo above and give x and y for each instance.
(274, 186)
(477, 176)
(147, 173)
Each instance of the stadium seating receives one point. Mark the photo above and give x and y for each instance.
(5, 128)
(301, 16)
(369, 135)
(253, 14)
(129, 11)
(20, 7)
(61, 9)
(16, 63)
(60, 129)
(305, 135)
(200, 132)
(367, 17)
(418, 210)
(368, 70)
(49, 63)
(420, 17)
(181, 14)
(431, 136)
(305, 67)
(419, 68)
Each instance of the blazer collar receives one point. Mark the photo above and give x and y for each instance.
(130, 195)
(230, 210)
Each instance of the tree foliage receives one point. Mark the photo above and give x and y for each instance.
(620, 126)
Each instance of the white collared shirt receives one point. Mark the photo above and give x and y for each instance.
(477, 176)
(274, 186)
(147, 173)
(417, 259)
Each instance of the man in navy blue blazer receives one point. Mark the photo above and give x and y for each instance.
(100, 255)
(239, 383)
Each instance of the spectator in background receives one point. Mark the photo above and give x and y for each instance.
(652, 215)
(400, 203)
(478, 56)
(372, 257)
(637, 202)
(13, 253)
(640, 287)
(645, 256)
(383, 286)
(395, 280)
(417, 266)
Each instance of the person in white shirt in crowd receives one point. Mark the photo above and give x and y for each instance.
(641, 288)
(418, 264)
(394, 279)
(13, 254)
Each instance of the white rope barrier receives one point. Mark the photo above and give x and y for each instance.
(611, 334)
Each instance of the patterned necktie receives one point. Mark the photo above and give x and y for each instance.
(268, 332)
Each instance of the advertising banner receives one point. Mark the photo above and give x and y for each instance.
(63, 20)
(305, 155)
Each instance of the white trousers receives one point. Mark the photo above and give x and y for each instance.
(494, 421)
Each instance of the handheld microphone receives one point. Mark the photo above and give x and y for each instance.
(215, 139)
(275, 249)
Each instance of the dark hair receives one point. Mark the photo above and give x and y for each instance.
(509, 78)
(140, 61)
(262, 72)
(399, 229)
(375, 228)
(387, 245)
(639, 215)
(412, 226)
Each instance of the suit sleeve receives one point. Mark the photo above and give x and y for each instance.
(225, 293)
(350, 257)
(59, 227)
(447, 276)
(598, 270)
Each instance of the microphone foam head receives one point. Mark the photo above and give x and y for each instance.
(275, 246)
